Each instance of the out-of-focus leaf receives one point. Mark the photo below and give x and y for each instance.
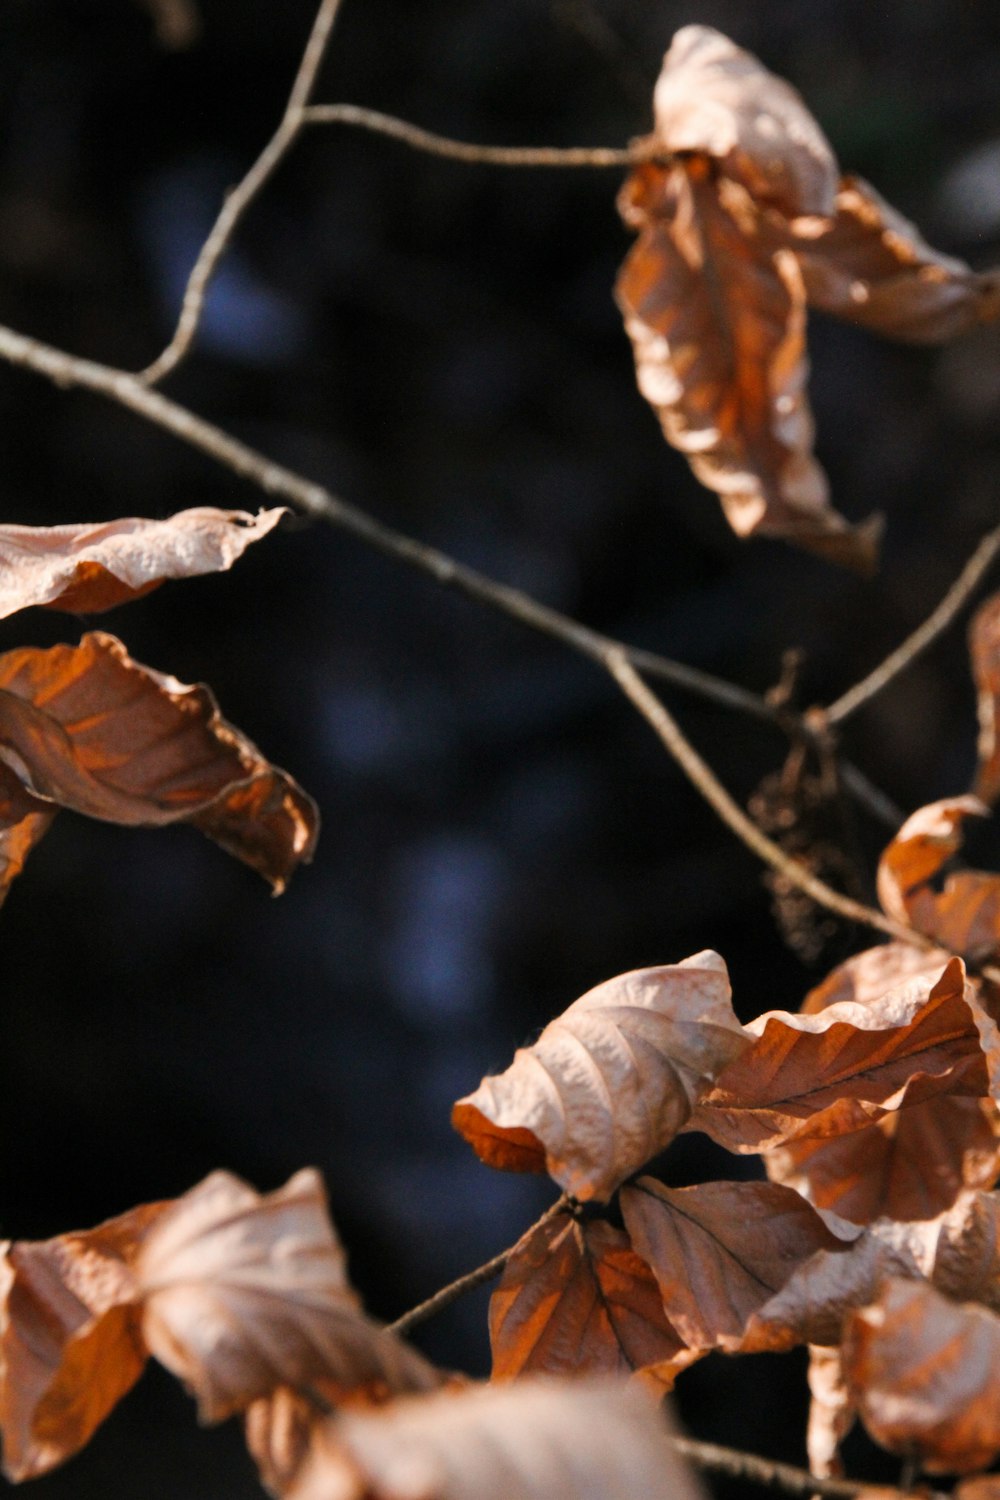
(88, 728)
(538, 1439)
(720, 1250)
(610, 1082)
(69, 1338)
(576, 1299)
(713, 98)
(816, 1076)
(922, 1371)
(984, 650)
(865, 977)
(92, 567)
(246, 1292)
(831, 1412)
(717, 323)
(965, 914)
(871, 266)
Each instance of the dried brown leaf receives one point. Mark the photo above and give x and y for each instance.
(69, 1338)
(576, 1299)
(717, 323)
(984, 650)
(869, 265)
(831, 1412)
(246, 1292)
(816, 1076)
(964, 915)
(610, 1082)
(92, 567)
(865, 977)
(539, 1439)
(720, 1250)
(712, 97)
(90, 729)
(922, 1371)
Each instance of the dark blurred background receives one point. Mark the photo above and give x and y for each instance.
(438, 343)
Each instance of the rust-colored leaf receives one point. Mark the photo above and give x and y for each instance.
(69, 1339)
(816, 1076)
(984, 650)
(610, 1082)
(720, 1250)
(717, 323)
(539, 1439)
(88, 728)
(576, 1299)
(964, 914)
(712, 97)
(869, 265)
(246, 1292)
(922, 1371)
(92, 567)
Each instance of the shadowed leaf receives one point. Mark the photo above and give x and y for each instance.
(984, 649)
(964, 914)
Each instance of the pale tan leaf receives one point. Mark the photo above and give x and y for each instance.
(984, 650)
(867, 976)
(69, 1338)
(245, 1292)
(922, 1370)
(575, 1299)
(717, 323)
(714, 98)
(815, 1076)
(831, 1412)
(964, 915)
(610, 1082)
(720, 1250)
(871, 266)
(538, 1439)
(92, 567)
(90, 729)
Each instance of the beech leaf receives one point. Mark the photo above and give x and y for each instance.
(720, 1250)
(92, 567)
(984, 649)
(69, 1338)
(922, 1371)
(815, 1076)
(87, 728)
(577, 1299)
(610, 1082)
(831, 1412)
(246, 1292)
(539, 1439)
(965, 914)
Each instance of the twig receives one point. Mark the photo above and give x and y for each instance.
(935, 624)
(469, 1282)
(771, 1475)
(240, 198)
(497, 156)
(746, 830)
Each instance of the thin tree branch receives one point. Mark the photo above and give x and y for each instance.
(774, 1476)
(707, 783)
(936, 623)
(240, 198)
(497, 156)
(470, 1281)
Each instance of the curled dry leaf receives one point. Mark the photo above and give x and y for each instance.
(964, 915)
(92, 567)
(88, 728)
(610, 1082)
(717, 323)
(984, 650)
(720, 1250)
(69, 1339)
(817, 1076)
(922, 1371)
(831, 1412)
(576, 1299)
(865, 977)
(869, 265)
(246, 1292)
(540, 1439)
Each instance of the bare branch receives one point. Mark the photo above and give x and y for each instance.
(469, 1282)
(936, 623)
(497, 156)
(775, 1476)
(240, 198)
(745, 829)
